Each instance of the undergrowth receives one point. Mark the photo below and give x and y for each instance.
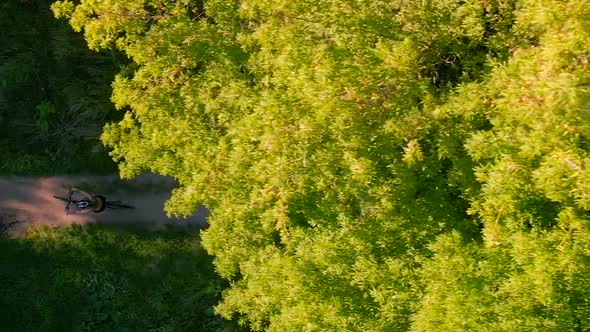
(106, 278)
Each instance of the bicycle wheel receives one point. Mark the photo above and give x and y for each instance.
(73, 201)
(62, 198)
(101, 202)
(118, 205)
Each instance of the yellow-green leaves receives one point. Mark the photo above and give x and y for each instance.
(412, 152)
(63, 9)
(369, 165)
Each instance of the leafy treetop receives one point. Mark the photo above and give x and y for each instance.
(369, 165)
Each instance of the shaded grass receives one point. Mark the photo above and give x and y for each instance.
(107, 278)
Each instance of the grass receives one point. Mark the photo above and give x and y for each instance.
(107, 278)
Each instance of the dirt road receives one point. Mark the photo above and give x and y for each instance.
(27, 201)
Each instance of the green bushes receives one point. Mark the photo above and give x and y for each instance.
(100, 278)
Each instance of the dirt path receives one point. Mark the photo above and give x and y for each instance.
(26, 202)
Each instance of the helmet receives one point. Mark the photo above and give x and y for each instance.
(83, 204)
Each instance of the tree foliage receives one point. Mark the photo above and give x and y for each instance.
(369, 165)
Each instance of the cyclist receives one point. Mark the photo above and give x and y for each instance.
(87, 204)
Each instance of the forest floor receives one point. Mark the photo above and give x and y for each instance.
(28, 202)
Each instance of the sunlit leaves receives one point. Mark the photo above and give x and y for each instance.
(369, 165)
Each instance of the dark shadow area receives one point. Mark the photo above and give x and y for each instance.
(54, 94)
(108, 278)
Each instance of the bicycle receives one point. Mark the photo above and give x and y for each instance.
(92, 203)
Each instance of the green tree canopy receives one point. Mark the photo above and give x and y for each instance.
(369, 165)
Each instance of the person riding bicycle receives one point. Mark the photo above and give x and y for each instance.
(87, 204)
